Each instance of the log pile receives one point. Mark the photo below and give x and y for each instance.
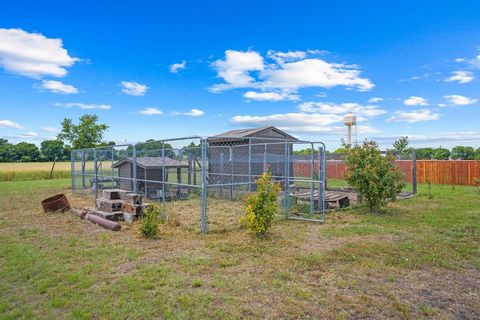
(118, 204)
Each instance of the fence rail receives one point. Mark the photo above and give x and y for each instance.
(457, 172)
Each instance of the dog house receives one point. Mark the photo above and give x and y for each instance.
(149, 173)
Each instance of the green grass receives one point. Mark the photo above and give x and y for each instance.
(419, 259)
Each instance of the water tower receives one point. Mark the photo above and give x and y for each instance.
(350, 120)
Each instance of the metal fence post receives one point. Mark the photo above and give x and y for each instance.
(312, 177)
(321, 181)
(230, 159)
(287, 181)
(249, 164)
(322, 165)
(163, 172)
(72, 161)
(265, 158)
(222, 173)
(113, 170)
(204, 187)
(83, 172)
(134, 171)
(95, 172)
(414, 171)
(285, 201)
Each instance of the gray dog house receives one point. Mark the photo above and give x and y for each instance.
(148, 168)
(236, 154)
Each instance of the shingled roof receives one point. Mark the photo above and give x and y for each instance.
(153, 162)
(253, 133)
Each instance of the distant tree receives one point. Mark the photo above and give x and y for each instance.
(67, 150)
(7, 152)
(424, 153)
(441, 154)
(87, 134)
(305, 152)
(192, 149)
(401, 145)
(477, 154)
(26, 152)
(153, 148)
(463, 153)
(52, 150)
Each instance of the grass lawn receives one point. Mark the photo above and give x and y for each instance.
(421, 259)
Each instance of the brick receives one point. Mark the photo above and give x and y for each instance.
(109, 205)
(135, 209)
(113, 194)
(133, 198)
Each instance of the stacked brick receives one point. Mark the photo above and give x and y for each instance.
(118, 204)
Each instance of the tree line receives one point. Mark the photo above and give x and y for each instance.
(88, 133)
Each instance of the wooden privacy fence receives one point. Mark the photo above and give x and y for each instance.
(458, 172)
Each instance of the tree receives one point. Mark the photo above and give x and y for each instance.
(401, 145)
(26, 152)
(52, 150)
(375, 177)
(463, 153)
(477, 154)
(87, 134)
(441, 154)
(424, 153)
(153, 148)
(7, 152)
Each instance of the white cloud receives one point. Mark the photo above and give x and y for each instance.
(459, 100)
(460, 77)
(282, 57)
(459, 60)
(150, 112)
(375, 99)
(288, 71)
(423, 76)
(32, 54)
(84, 106)
(414, 116)
(235, 69)
(191, 113)
(58, 87)
(475, 62)
(49, 129)
(342, 108)
(270, 96)
(415, 101)
(288, 119)
(314, 73)
(174, 68)
(28, 135)
(11, 124)
(300, 122)
(133, 88)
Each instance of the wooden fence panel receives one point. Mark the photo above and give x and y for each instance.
(457, 172)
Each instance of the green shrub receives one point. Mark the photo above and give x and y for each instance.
(375, 177)
(150, 221)
(261, 206)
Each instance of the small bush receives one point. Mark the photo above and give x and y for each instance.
(261, 206)
(150, 221)
(375, 177)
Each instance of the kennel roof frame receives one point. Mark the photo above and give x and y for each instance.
(153, 162)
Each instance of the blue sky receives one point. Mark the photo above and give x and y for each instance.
(169, 69)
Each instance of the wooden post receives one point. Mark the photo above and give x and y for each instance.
(194, 172)
(414, 171)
